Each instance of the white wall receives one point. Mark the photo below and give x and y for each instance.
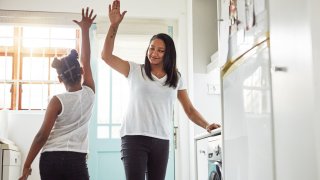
(22, 127)
(207, 103)
(4, 124)
(165, 9)
(205, 33)
(294, 44)
(315, 29)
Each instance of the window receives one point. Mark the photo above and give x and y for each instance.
(27, 80)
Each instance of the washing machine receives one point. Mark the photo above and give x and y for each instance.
(215, 158)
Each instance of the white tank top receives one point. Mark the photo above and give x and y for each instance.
(70, 131)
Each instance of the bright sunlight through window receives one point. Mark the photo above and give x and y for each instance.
(27, 81)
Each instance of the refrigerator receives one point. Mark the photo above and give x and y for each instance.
(246, 94)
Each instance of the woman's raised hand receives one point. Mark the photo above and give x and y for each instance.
(114, 13)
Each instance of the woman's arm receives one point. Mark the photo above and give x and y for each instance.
(192, 113)
(85, 24)
(107, 52)
(53, 109)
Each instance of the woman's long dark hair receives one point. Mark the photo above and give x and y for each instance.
(169, 61)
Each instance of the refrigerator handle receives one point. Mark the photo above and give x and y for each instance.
(279, 69)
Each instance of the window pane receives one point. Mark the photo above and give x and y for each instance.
(63, 37)
(132, 47)
(5, 96)
(36, 37)
(63, 43)
(103, 93)
(103, 132)
(35, 43)
(35, 68)
(63, 33)
(115, 132)
(6, 41)
(36, 32)
(5, 68)
(120, 96)
(56, 89)
(34, 96)
(53, 72)
(6, 35)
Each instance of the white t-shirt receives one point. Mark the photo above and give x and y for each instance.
(70, 131)
(151, 104)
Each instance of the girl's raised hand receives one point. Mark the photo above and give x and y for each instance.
(87, 19)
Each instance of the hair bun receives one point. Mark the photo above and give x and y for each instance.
(73, 54)
(56, 63)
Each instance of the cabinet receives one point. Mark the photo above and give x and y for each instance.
(205, 33)
(202, 158)
(205, 148)
(210, 34)
(10, 162)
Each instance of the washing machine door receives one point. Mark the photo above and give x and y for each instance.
(215, 173)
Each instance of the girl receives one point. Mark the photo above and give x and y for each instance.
(63, 136)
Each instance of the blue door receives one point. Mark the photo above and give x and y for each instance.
(112, 93)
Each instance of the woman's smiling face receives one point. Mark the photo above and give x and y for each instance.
(156, 51)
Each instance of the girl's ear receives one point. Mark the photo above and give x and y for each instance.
(81, 70)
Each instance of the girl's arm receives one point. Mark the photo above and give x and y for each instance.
(85, 24)
(53, 109)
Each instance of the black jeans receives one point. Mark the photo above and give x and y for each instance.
(63, 165)
(144, 157)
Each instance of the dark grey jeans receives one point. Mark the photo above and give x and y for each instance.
(63, 165)
(144, 157)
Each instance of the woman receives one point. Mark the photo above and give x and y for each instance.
(63, 136)
(154, 87)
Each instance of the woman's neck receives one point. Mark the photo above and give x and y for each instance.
(158, 72)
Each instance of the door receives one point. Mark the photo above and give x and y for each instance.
(112, 94)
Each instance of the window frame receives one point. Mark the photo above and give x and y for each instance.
(18, 52)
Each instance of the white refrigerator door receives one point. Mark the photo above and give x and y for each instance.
(247, 117)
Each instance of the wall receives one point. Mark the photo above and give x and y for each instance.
(315, 29)
(23, 126)
(208, 102)
(294, 44)
(165, 9)
(4, 124)
(205, 33)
